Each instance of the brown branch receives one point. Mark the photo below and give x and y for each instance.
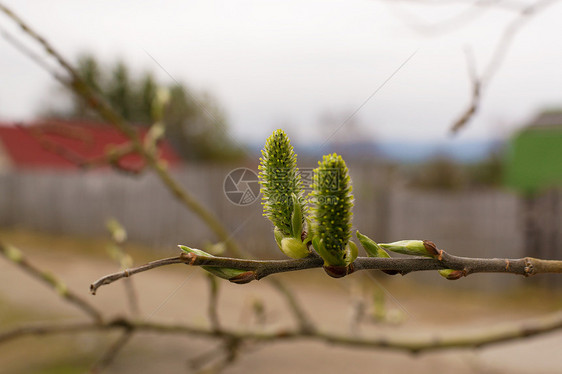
(261, 268)
(119, 235)
(100, 105)
(408, 341)
(498, 56)
(473, 10)
(46, 329)
(213, 302)
(111, 352)
(82, 89)
(306, 326)
(16, 256)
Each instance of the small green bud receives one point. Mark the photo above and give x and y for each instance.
(451, 274)
(412, 247)
(159, 103)
(117, 231)
(371, 247)
(233, 275)
(13, 254)
(61, 288)
(294, 247)
(374, 250)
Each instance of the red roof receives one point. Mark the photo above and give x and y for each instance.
(63, 144)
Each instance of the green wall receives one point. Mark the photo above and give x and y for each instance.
(534, 160)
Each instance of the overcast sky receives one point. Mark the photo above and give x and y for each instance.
(288, 63)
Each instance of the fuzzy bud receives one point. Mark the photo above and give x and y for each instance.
(333, 201)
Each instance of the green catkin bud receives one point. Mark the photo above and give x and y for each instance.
(232, 275)
(279, 181)
(282, 193)
(333, 201)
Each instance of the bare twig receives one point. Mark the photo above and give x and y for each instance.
(523, 11)
(473, 9)
(82, 89)
(408, 341)
(261, 268)
(112, 157)
(47, 329)
(497, 58)
(111, 352)
(119, 236)
(108, 279)
(16, 256)
(305, 324)
(213, 302)
(99, 104)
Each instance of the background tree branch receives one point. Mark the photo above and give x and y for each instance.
(77, 85)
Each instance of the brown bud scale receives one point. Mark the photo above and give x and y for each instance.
(338, 271)
(244, 278)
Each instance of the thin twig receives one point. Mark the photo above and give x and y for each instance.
(100, 105)
(111, 352)
(16, 256)
(108, 279)
(213, 302)
(47, 329)
(305, 324)
(497, 58)
(82, 89)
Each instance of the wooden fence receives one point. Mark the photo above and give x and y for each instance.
(485, 223)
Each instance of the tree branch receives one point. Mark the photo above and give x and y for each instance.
(498, 55)
(261, 268)
(409, 342)
(16, 256)
(82, 89)
(212, 308)
(111, 352)
(100, 105)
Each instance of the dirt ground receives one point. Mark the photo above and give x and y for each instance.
(179, 294)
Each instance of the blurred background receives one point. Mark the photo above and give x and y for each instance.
(379, 82)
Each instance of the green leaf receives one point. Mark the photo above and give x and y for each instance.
(352, 252)
(371, 247)
(294, 247)
(296, 218)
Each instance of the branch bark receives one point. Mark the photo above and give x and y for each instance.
(16, 256)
